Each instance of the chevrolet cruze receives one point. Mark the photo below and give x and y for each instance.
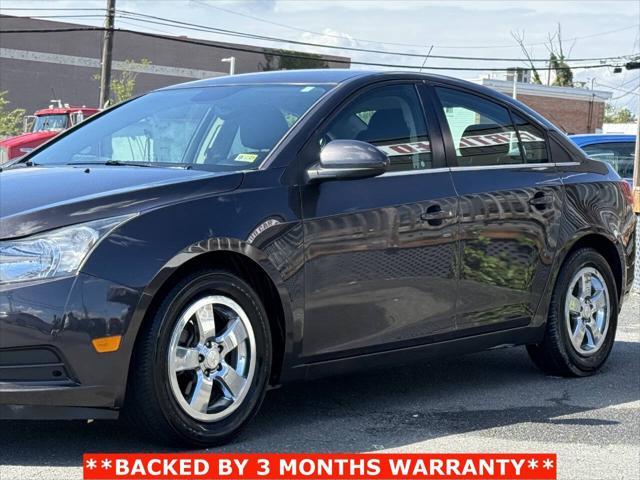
(174, 257)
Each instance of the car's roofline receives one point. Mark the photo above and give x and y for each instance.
(340, 76)
(331, 76)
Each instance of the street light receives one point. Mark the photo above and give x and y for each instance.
(232, 64)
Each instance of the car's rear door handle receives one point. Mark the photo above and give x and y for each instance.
(541, 200)
(435, 215)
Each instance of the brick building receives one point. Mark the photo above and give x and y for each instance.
(573, 110)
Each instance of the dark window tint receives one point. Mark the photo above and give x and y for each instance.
(390, 118)
(560, 150)
(532, 141)
(481, 130)
(619, 155)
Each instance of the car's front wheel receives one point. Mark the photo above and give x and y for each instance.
(582, 320)
(201, 365)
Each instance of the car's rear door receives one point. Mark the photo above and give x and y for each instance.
(380, 252)
(510, 207)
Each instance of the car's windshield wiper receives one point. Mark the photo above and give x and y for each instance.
(118, 163)
(121, 163)
(19, 165)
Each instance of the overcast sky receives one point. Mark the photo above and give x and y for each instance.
(463, 28)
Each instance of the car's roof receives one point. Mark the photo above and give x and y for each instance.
(336, 75)
(325, 75)
(319, 76)
(593, 138)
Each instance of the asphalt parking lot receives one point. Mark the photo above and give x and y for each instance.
(488, 402)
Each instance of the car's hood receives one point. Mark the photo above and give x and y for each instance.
(35, 199)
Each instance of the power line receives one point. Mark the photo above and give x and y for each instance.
(217, 7)
(620, 96)
(196, 27)
(636, 79)
(262, 51)
(203, 28)
(126, 22)
(626, 92)
(199, 27)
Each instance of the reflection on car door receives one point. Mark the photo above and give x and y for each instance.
(510, 206)
(380, 252)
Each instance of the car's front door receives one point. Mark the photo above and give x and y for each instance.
(510, 206)
(380, 252)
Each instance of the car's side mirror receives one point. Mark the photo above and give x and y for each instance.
(348, 159)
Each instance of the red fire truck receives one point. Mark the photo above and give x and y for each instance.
(41, 126)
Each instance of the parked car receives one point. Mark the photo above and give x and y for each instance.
(616, 150)
(193, 247)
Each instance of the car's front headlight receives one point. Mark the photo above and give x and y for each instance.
(57, 253)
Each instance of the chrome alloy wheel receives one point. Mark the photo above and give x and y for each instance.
(587, 311)
(212, 358)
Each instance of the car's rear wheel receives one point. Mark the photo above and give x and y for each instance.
(201, 365)
(582, 319)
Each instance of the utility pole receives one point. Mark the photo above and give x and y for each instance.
(107, 51)
(636, 165)
(634, 65)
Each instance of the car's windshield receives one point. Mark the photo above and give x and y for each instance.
(45, 123)
(618, 154)
(220, 127)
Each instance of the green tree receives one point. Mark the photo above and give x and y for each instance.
(10, 120)
(124, 84)
(618, 115)
(291, 60)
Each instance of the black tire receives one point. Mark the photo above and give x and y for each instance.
(151, 405)
(556, 355)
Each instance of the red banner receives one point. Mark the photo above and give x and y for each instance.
(342, 466)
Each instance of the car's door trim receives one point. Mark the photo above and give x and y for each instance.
(401, 173)
(506, 166)
(477, 167)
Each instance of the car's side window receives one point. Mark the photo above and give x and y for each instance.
(482, 131)
(619, 155)
(391, 118)
(532, 141)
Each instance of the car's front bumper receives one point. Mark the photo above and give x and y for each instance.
(48, 363)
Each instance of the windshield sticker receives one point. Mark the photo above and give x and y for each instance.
(307, 89)
(246, 157)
